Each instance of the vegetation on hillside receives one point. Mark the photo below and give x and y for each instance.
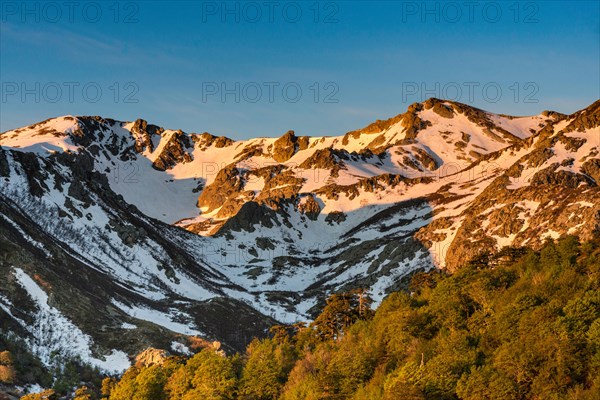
(520, 324)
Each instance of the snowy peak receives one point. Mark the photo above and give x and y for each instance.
(433, 114)
(172, 233)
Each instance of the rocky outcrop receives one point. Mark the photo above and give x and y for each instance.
(376, 127)
(90, 130)
(271, 232)
(412, 123)
(175, 151)
(143, 134)
(309, 207)
(587, 118)
(441, 109)
(250, 216)
(227, 184)
(287, 145)
(150, 357)
(568, 179)
(129, 234)
(4, 167)
(592, 169)
(331, 159)
(206, 140)
(373, 184)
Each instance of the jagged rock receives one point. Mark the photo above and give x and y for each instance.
(425, 159)
(227, 184)
(174, 152)
(517, 186)
(150, 357)
(33, 172)
(310, 207)
(278, 187)
(143, 133)
(335, 216)
(549, 176)
(287, 145)
(325, 159)
(129, 234)
(284, 147)
(439, 108)
(592, 169)
(4, 167)
(207, 140)
(249, 215)
(412, 123)
(588, 118)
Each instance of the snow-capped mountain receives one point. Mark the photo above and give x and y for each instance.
(119, 235)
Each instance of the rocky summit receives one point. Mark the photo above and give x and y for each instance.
(122, 236)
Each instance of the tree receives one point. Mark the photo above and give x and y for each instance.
(267, 366)
(149, 383)
(341, 311)
(7, 370)
(127, 386)
(108, 385)
(363, 302)
(486, 383)
(214, 377)
(84, 393)
(47, 394)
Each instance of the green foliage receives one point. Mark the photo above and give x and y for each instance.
(22, 367)
(108, 384)
(519, 324)
(268, 363)
(84, 393)
(45, 395)
(7, 371)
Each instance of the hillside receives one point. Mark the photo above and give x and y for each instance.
(519, 325)
(117, 235)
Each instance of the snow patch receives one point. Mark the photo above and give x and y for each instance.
(55, 338)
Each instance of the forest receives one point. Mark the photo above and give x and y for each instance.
(519, 324)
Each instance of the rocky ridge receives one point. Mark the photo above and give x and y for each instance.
(163, 233)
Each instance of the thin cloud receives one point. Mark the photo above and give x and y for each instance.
(98, 49)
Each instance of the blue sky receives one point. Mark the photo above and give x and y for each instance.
(245, 69)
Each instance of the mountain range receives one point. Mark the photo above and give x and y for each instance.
(118, 236)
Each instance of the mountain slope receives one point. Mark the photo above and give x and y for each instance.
(132, 230)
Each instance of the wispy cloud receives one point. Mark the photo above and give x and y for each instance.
(76, 46)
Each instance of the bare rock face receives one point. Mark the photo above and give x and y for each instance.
(373, 184)
(376, 127)
(336, 217)
(585, 119)
(227, 184)
(250, 215)
(174, 152)
(412, 123)
(592, 169)
(151, 356)
(327, 158)
(439, 108)
(550, 176)
(143, 133)
(286, 146)
(425, 159)
(4, 167)
(228, 191)
(310, 207)
(265, 219)
(90, 129)
(207, 140)
(278, 187)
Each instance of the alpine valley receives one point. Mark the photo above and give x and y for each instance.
(119, 236)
